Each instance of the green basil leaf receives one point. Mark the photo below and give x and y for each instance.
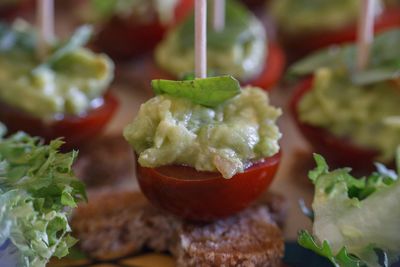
(384, 63)
(208, 92)
(80, 38)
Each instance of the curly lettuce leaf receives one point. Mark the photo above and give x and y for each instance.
(37, 191)
(342, 258)
(355, 220)
(208, 92)
(383, 65)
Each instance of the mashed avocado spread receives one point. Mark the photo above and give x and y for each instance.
(67, 81)
(368, 115)
(361, 106)
(225, 138)
(296, 16)
(239, 50)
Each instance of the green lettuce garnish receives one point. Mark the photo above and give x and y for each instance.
(356, 221)
(209, 92)
(384, 61)
(37, 191)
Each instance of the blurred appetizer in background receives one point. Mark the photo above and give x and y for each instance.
(255, 5)
(351, 117)
(37, 192)
(129, 28)
(241, 48)
(205, 147)
(11, 9)
(355, 221)
(63, 94)
(308, 25)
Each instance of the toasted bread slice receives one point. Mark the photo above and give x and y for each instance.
(249, 238)
(116, 224)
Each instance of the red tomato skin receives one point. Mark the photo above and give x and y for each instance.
(205, 199)
(124, 39)
(269, 77)
(339, 152)
(304, 43)
(75, 130)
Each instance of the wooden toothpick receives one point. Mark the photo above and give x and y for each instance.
(219, 15)
(200, 43)
(365, 35)
(45, 25)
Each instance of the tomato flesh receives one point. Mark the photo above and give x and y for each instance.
(205, 196)
(303, 44)
(270, 75)
(127, 38)
(339, 152)
(75, 130)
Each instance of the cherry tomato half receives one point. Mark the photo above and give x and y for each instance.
(304, 43)
(339, 152)
(75, 130)
(125, 38)
(205, 196)
(270, 75)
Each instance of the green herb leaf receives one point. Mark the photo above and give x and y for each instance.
(384, 61)
(80, 38)
(37, 191)
(208, 92)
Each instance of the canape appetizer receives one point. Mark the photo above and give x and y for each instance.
(351, 117)
(356, 222)
(129, 28)
(241, 49)
(61, 95)
(37, 192)
(308, 25)
(10, 9)
(205, 148)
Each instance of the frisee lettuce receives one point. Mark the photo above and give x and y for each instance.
(356, 221)
(37, 191)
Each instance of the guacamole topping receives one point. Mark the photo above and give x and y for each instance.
(226, 138)
(70, 80)
(367, 115)
(361, 106)
(296, 16)
(239, 50)
(142, 10)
